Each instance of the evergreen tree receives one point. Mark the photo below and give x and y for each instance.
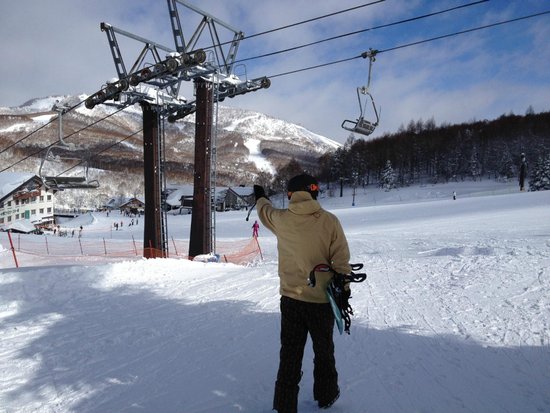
(540, 176)
(474, 165)
(388, 177)
(506, 165)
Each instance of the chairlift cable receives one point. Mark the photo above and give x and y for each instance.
(103, 150)
(413, 43)
(288, 26)
(411, 19)
(36, 130)
(464, 31)
(55, 142)
(312, 19)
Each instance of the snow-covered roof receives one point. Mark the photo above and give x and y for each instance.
(10, 181)
(243, 190)
(112, 203)
(22, 225)
(174, 197)
(129, 200)
(118, 202)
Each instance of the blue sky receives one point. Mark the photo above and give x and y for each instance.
(55, 47)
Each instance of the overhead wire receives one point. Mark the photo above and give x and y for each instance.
(412, 44)
(38, 129)
(310, 20)
(464, 31)
(103, 150)
(411, 19)
(55, 142)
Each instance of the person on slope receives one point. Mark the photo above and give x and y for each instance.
(255, 228)
(307, 235)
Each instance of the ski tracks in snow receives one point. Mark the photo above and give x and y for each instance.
(462, 299)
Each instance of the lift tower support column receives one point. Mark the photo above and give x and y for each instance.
(200, 241)
(187, 62)
(154, 231)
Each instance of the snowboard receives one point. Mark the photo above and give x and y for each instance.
(336, 288)
(335, 311)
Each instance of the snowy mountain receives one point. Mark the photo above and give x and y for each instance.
(247, 142)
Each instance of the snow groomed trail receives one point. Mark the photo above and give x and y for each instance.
(454, 317)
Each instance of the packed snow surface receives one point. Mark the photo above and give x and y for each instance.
(454, 315)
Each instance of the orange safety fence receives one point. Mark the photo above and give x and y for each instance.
(246, 254)
(241, 252)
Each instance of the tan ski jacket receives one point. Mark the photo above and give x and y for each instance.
(307, 235)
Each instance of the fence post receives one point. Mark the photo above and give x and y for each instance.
(104, 246)
(175, 249)
(80, 242)
(261, 255)
(13, 250)
(134, 242)
(47, 246)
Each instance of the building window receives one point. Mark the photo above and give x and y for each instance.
(49, 210)
(1, 220)
(33, 211)
(49, 197)
(9, 219)
(41, 198)
(33, 199)
(9, 203)
(16, 216)
(17, 202)
(41, 210)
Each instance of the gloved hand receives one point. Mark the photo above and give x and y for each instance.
(259, 192)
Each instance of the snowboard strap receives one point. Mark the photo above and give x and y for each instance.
(337, 288)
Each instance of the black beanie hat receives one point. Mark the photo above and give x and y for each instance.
(306, 183)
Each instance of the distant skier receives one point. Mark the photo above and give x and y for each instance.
(454, 195)
(522, 173)
(255, 228)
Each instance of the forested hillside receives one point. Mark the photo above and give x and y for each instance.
(424, 153)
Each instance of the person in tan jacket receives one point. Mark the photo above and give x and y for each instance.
(307, 235)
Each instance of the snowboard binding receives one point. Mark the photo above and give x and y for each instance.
(337, 293)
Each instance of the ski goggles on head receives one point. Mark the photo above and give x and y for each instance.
(309, 188)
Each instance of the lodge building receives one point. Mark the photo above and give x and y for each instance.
(25, 204)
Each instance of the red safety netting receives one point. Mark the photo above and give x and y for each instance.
(241, 252)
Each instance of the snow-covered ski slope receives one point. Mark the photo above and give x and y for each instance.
(454, 317)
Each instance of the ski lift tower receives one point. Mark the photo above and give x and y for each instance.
(156, 88)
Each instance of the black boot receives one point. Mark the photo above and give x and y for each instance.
(285, 399)
(329, 401)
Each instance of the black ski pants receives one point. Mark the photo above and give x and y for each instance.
(298, 318)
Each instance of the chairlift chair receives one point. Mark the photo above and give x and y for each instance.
(59, 182)
(362, 125)
(57, 155)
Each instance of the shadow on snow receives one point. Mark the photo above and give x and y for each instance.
(127, 349)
